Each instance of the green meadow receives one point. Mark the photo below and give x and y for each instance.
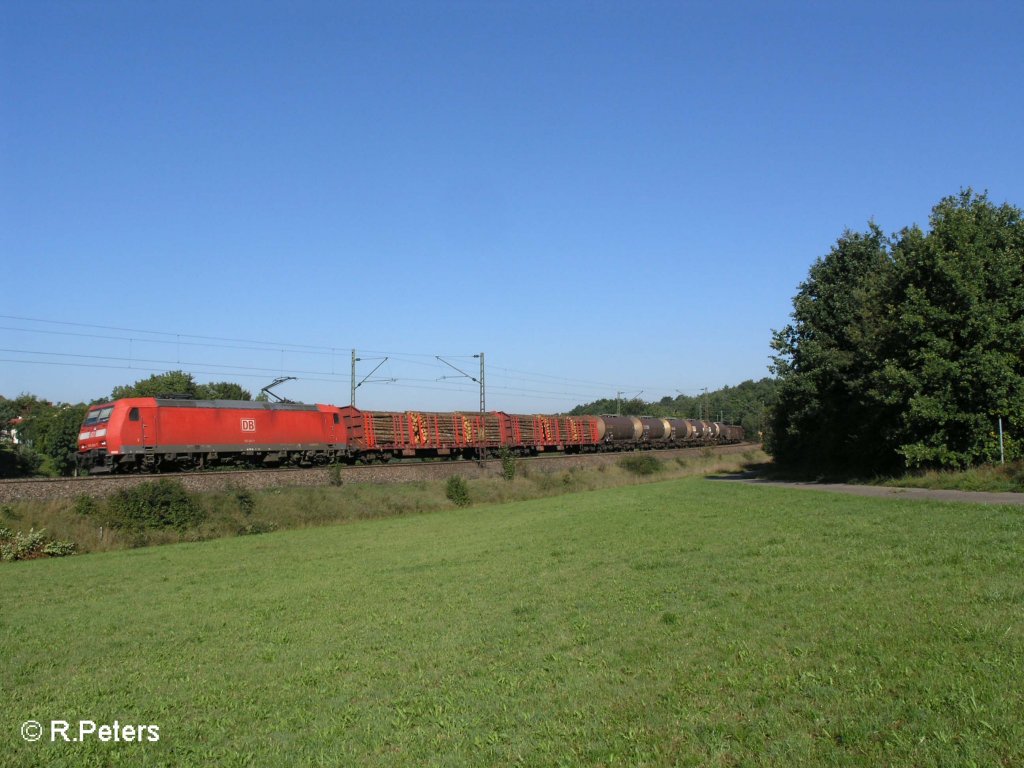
(687, 622)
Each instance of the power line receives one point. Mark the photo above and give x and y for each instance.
(159, 362)
(149, 370)
(169, 342)
(272, 344)
(582, 390)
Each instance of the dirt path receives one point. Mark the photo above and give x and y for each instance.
(881, 491)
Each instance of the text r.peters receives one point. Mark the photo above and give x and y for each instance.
(87, 729)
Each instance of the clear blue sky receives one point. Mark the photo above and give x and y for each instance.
(605, 196)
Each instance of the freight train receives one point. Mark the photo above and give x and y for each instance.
(147, 434)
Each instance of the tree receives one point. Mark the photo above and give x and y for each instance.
(8, 413)
(955, 334)
(59, 436)
(51, 431)
(158, 385)
(181, 383)
(14, 460)
(744, 404)
(903, 355)
(825, 419)
(222, 390)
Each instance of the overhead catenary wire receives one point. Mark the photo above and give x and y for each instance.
(529, 385)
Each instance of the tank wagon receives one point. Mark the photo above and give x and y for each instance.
(169, 434)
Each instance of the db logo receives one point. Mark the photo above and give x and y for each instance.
(248, 425)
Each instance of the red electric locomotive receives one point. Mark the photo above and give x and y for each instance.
(152, 434)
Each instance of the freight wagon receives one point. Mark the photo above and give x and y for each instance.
(166, 434)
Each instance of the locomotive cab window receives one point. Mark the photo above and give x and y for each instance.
(336, 419)
(133, 414)
(99, 415)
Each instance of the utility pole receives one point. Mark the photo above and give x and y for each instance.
(705, 408)
(367, 376)
(1002, 456)
(483, 389)
(480, 381)
(618, 400)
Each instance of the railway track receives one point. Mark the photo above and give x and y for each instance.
(41, 489)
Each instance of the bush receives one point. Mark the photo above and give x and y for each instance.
(15, 545)
(59, 549)
(161, 504)
(19, 461)
(508, 464)
(641, 465)
(457, 491)
(256, 527)
(334, 474)
(86, 505)
(246, 501)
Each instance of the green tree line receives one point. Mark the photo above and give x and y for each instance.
(906, 351)
(746, 404)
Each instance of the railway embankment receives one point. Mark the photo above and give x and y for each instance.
(44, 489)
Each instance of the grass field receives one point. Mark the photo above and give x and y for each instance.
(689, 622)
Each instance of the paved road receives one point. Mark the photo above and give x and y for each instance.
(880, 491)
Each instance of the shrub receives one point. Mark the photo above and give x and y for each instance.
(641, 465)
(457, 491)
(19, 461)
(161, 504)
(15, 545)
(334, 474)
(59, 549)
(256, 527)
(85, 505)
(246, 501)
(508, 464)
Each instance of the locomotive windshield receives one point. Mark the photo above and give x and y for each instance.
(98, 415)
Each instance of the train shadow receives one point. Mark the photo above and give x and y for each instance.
(747, 472)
